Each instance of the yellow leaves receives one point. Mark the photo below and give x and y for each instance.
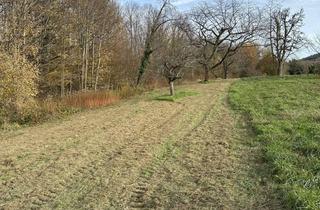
(18, 80)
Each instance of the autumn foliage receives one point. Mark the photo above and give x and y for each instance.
(18, 87)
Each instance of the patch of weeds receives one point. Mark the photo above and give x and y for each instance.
(177, 96)
(281, 112)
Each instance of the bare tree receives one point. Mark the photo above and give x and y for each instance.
(158, 19)
(266, 32)
(175, 55)
(285, 35)
(224, 26)
(134, 16)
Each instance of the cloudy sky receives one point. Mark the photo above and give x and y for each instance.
(311, 8)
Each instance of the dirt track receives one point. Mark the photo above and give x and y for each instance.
(138, 154)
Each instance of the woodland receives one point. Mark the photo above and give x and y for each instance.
(58, 54)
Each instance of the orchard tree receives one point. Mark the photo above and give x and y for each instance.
(224, 26)
(285, 35)
(175, 55)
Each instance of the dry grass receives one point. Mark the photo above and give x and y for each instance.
(212, 167)
(90, 100)
(113, 158)
(46, 109)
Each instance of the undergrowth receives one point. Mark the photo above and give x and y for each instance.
(46, 109)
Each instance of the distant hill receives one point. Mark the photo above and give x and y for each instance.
(314, 57)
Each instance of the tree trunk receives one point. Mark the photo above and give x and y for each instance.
(62, 82)
(70, 88)
(206, 74)
(83, 66)
(171, 88)
(98, 67)
(93, 64)
(86, 68)
(281, 68)
(225, 70)
(143, 64)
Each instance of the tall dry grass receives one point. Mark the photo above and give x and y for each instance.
(89, 100)
(58, 107)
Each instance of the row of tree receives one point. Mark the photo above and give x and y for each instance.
(218, 31)
(82, 45)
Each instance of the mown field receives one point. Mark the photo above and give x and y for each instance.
(149, 152)
(285, 116)
(191, 151)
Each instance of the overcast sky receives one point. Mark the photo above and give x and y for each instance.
(311, 8)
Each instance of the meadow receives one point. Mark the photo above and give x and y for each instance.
(285, 116)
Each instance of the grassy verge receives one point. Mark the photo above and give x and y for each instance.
(177, 96)
(285, 115)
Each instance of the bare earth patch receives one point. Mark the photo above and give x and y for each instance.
(189, 154)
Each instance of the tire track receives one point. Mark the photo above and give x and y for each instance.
(105, 167)
(89, 172)
(99, 173)
(55, 175)
(139, 198)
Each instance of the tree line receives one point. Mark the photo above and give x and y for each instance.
(60, 47)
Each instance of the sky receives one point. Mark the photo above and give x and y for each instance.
(311, 9)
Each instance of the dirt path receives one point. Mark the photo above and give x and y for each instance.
(138, 154)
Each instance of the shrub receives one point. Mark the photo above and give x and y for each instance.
(18, 88)
(314, 69)
(295, 68)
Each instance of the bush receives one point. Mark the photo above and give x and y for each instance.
(314, 69)
(18, 88)
(295, 68)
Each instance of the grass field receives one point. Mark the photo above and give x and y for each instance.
(189, 153)
(285, 116)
